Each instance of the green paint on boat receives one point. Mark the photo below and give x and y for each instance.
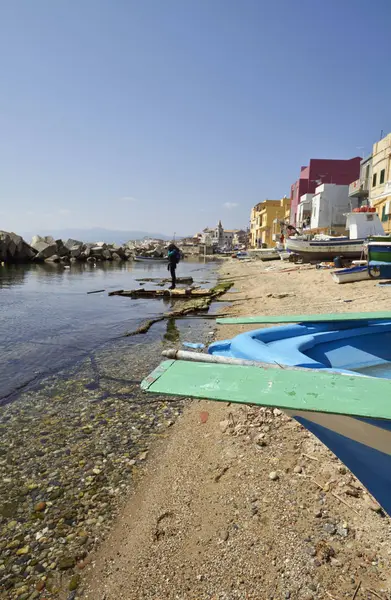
(316, 390)
(353, 316)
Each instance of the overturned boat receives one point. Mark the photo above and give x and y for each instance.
(332, 373)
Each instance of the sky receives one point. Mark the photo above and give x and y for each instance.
(168, 115)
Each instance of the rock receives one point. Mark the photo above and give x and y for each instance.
(45, 250)
(204, 416)
(62, 250)
(115, 256)
(352, 491)
(74, 583)
(72, 243)
(298, 469)
(310, 550)
(224, 425)
(66, 562)
(53, 259)
(22, 551)
(143, 455)
(330, 528)
(273, 476)
(75, 251)
(372, 505)
(13, 249)
(342, 530)
(106, 254)
(277, 412)
(40, 506)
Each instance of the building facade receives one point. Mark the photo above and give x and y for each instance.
(265, 222)
(340, 172)
(330, 203)
(380, 188)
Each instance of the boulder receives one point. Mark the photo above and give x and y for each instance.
(45, 250)
(106, 254)
(96, 251)
(53, 259)
(101, 245)
(115, 256)
(75, 251)
(72, 243)
(13, 248)
(62, 249)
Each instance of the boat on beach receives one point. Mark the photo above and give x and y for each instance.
(332, 373)
(360, 225)
(378, 250)
(355, 273)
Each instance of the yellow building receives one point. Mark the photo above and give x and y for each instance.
(265, 222)
(380, 192)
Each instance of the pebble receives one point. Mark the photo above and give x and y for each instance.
(40, 506)
(298, 469)
(330, 528)
(224, 425)
(273, 476)
(204, 416)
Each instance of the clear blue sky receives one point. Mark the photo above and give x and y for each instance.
(167, 115)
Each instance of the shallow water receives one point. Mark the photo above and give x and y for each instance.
(48, 322)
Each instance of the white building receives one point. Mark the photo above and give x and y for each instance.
(330, 204)
(304, 211)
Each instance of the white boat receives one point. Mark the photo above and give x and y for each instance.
(357, 273)
(360, 226)
(149, 259)
(265, 253)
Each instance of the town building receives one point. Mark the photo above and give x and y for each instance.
(318, 171)
(265, 222)
(380, 189)
(330, 203)
(222, 239)
(360, 187)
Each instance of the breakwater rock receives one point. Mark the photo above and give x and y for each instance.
(14, 249)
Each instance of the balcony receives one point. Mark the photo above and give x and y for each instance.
(359, 188)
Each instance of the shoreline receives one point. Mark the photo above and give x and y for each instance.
(206, 520)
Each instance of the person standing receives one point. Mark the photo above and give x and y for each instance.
(173, 255)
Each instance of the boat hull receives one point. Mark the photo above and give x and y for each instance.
(149, 259)
(359, 273)
(325, 250)
(350, 347)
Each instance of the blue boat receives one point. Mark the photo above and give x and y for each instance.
(355, 347)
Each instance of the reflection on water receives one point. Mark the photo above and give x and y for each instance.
(383, 371)
(172, 332)
(48, 321)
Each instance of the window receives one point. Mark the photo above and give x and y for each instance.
(374, 180)
(382, 175)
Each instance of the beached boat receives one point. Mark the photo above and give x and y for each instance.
(332, 375)
(356, 273)
(149, 259)
(360, 226)
(379, 257)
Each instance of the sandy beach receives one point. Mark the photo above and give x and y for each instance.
(244, 504)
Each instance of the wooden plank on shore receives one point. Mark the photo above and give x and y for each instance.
(263, 319)
(308, 390)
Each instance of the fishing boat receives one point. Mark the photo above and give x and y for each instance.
(322, 247)
(332, 373)
(355, 273)
(379, 257)
(150, 259)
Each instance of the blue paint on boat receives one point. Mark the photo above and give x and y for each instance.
(350, 347)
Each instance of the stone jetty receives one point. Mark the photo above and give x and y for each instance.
(14, 249)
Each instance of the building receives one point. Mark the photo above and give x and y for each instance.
(380, 189)
(240, 238)
(218, 237)
(265, 222)
(340, 172)
(360, 187)
(330, 203)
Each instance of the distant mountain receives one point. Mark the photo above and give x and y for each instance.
(96, 235)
